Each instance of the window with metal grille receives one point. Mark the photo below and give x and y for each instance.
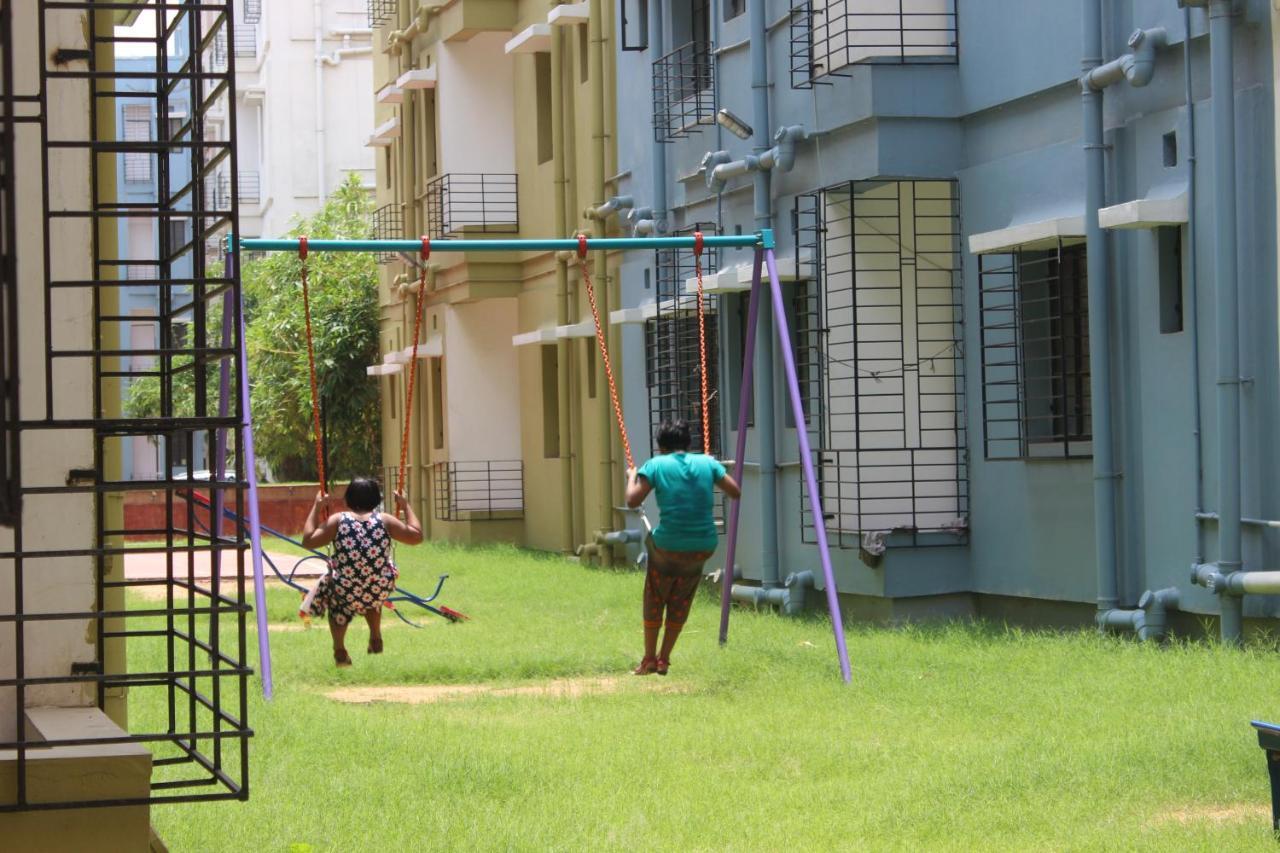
(673, 364)
(634, 15)
(381, 12)
(1035, 354)
(830, 35)
(252, 11)
(683, 92)
(890, 428)
(137, 128)
(388, 224)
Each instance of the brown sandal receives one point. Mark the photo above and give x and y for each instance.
(342, 659)
(648, 666)
(661, 665)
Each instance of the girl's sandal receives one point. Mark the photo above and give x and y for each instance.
(661, 665)
(375, 647)
(342, 659)
(647, 666)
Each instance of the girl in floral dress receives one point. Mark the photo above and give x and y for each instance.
(361, 575)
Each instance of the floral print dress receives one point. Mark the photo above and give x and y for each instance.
(361, 574)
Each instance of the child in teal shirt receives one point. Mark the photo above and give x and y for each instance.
(684, 539)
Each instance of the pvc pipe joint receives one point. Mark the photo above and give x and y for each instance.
(610, 207)
(718, 168)
(791, 597)
(1137, 67)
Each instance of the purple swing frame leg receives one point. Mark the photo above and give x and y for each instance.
(806, 456)
(251, 473)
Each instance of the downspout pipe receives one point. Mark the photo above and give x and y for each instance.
(1137, 67)
(1193, 294)
(766, 437)
(562, 292)
(1230, 544)
(657, 221)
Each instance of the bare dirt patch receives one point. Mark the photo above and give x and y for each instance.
(1237, 813)
(559, 688)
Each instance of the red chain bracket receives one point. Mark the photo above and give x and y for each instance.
(311, 366)
(413, 364)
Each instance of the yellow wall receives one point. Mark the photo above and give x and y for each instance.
(530, 279)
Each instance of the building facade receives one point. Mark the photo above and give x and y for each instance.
(495, 120)
(303, 72)
(1005, 285)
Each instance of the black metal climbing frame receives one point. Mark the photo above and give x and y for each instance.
(183, 634)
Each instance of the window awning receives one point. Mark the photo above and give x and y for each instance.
(1164, 205)
(1034, 234)
(532, 39)
(394, 362)
(569, 13)
(737, 279)
(537, 336)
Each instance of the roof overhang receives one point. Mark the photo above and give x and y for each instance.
(1034, 234)
(1163, 206)
(532, 39)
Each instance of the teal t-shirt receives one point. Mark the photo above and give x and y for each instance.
(683, 483)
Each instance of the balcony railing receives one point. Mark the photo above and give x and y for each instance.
(249, 187)
(472, 203)
(252, 11)
(388, 224)
(684, 100)
(479, 491)
(828, 36)
(381, 12)
(246, 41)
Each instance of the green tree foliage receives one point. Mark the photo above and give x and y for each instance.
(344, 315)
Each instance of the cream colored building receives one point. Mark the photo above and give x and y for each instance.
(495, 120)
(303, 72)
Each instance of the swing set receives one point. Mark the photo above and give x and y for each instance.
(764, 262)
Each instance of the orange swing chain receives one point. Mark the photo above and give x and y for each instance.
(604, 350)
(311, 364)
(702, 343)
(413, 365)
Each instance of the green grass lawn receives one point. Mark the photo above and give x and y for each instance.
(962, 737)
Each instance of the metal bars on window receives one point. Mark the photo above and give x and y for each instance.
(380, 12)
(10, 458)
(137, 128)
(672, 351)
(891, 431)
(830, 35)
(479, 491)
(64, 641)
(1035, 353)
(684, 99)
(388, 224)
(252, 11)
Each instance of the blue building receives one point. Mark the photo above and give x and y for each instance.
(1012, 292)
(139, 178)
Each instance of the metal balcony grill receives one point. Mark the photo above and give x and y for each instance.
(388, 224)
(830, 35)
(247, 191)
(472, 203)
(252, 11)
(890, 445)
(684, 100)
(479, 491)
(1035, 354)
(381, 12)
(186, 682)
(246, 46)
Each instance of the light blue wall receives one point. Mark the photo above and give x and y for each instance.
(1005, 122)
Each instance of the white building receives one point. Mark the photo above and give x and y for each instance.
(303, 112)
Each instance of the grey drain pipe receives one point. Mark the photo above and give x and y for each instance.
(791, 597)
(1137, 67)
(1221, 576)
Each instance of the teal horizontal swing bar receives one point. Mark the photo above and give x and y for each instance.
(762, 240)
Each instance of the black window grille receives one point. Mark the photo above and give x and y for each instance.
(634, 15)
(461, 203)
(890, 432)
(388, 224)
(246, 37)
(1035, 354)
(684, 100)
(248, 189)
(830, 35)
(673, 361)
(479, 491)
(252, 11)
(186, 690)
(381, 12)
(137, 128)
(10, 470)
